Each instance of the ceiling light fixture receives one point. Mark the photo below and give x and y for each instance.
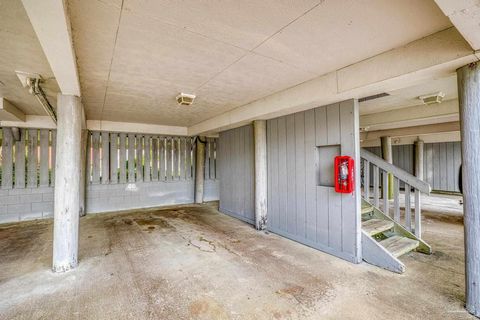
(433, 98)
(185, 99)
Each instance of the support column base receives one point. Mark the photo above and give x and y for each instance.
(60, 268)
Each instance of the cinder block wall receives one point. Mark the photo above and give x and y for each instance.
(144, 171)
(26, 204)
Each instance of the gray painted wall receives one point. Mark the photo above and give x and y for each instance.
(298, 207)
(441, 166)
(236, 169)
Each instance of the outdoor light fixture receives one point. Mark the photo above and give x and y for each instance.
(433, 98)
(185, 99)
(32, 82)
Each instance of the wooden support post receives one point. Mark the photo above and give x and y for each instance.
(67, 182)
(469, 105)
(7, 158)
(387, 155)
(419, 159)
(199, 170)
(260, 141)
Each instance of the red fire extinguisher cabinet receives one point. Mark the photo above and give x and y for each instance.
(344, 174)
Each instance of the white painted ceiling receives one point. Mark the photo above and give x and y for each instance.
(135, 56)
(21, 51)
(408, 97)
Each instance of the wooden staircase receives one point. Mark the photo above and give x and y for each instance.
(385, 238)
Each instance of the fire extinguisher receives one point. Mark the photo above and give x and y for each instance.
(344, 174)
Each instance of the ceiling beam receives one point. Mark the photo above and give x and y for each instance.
(437, 55)
(39, 122)
(10, 112)
(446, 111)
(427, 138)
(453, 126)
(113, 126)
(465, 16)
(51, 23)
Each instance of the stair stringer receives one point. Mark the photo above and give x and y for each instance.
(423, 247)
(374, 253)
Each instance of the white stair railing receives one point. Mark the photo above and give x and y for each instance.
(381, 170)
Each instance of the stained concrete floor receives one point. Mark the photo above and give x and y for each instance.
(194, 263)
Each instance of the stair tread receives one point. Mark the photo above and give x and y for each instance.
(376, 226)
(367, 209)
(398, 245)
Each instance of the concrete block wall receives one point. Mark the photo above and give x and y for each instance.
(115, 197)
(26, 204)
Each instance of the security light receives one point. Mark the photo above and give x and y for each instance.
(185, 99)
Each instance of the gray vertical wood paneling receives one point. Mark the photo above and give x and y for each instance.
(105, 157)
(44, 157)
(7, 158)
(20, 160)
(113, 158)
(235, 167)
(123, 158)
(291, 186)
(32, 159)
(310, 180)
(162, 158)
(275, 196)
(282, 169)
(299, 172)
(441, 165)
(314, 215)
(350, 204)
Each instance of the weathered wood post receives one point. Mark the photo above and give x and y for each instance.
(67, 203)
(387, 155)
(199, 169)
(469, 103)
(260, 140)
(419, 159)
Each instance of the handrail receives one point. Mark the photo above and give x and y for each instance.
(403, 175)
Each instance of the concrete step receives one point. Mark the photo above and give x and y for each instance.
(398, 245)
(376, 226)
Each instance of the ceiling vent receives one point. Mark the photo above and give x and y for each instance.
(185, 99)
(433, 98)
(373, 97)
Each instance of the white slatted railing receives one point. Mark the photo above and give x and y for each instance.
(27, 158)
(381, 171)
(127, 158)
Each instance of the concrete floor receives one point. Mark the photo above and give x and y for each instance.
(194, 263)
